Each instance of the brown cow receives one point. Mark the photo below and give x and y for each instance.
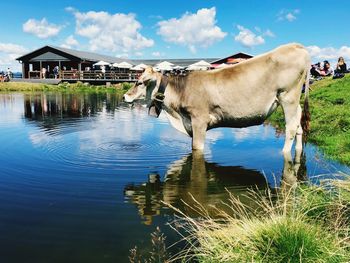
(237, 96)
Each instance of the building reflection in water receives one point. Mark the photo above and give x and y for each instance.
(50, 109)
(208, 183)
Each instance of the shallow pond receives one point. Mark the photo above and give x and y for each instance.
(83, 176)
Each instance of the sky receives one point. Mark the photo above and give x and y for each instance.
(174, 29)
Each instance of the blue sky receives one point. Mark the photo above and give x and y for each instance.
(174, 29)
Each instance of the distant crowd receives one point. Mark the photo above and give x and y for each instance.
(6, 76)
(323, 69)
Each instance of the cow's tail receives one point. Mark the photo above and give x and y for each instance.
(306, 116)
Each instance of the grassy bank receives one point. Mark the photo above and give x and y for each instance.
(330, 117)
(63, 87)
(300, 224)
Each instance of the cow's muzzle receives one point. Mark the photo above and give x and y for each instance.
(127, 98)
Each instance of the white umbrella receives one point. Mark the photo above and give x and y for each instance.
(139, 67)
(122, 65)
(165, 65)
(163, 68)
(222, 65)
(200, 65)
(101, 63)
(178, 67)
(192, 67)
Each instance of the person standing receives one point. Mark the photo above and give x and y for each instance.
(103, 70)
(9, 73)
(43, 72)
(56, 71)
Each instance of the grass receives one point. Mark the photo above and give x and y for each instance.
(157, 254)
(330, 117)
(62, 87)
(299, 224)
(273, 240)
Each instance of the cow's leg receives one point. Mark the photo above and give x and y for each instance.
(292, 114)
(299, 136)
(199, 129)
(289, 177)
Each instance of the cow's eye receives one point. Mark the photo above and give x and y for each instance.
(139, 83)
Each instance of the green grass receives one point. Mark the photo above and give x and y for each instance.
(62, 87)
(301, 223)
(330, 117)
(274, 240)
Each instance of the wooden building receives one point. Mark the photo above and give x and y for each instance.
(66, 59)
(233, 59)
(77, 65)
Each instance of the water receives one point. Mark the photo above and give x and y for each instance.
(83, 175)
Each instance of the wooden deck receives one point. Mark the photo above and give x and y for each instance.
(108, 75)
(44, 81)
(96, 77)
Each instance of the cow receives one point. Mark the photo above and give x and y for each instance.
(240, 95)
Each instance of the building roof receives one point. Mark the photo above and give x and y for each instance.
(233, 56)
(50, 52)
(183, 62)
(73, 54)
(92, 56)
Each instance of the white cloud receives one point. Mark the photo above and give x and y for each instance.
(41, 28)
(262, 132)
(70, 42)
(138, 54)
(192, 30)
(247, 38)
(70, 9)
(123, 55)
(328, 53)
(289, 15)
(14, 113)
(113, 32)
(12, 48)
(158, 17)
(157, 54)
(8, 54)
(269, 33)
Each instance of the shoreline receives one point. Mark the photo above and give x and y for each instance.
(63, 87)
(330, 118)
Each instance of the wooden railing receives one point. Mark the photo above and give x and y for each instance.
(89, 75)
(35, 74)
(98, 75)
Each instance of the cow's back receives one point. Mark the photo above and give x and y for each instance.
(245, 93)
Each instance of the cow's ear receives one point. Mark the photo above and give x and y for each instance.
(149, 69)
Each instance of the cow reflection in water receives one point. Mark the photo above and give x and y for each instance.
(206, 182)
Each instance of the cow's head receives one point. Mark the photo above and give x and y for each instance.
(145, 87)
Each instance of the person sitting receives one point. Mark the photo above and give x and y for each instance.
(316, 69)
(327, 69)
(341, 66)
(322, 69)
